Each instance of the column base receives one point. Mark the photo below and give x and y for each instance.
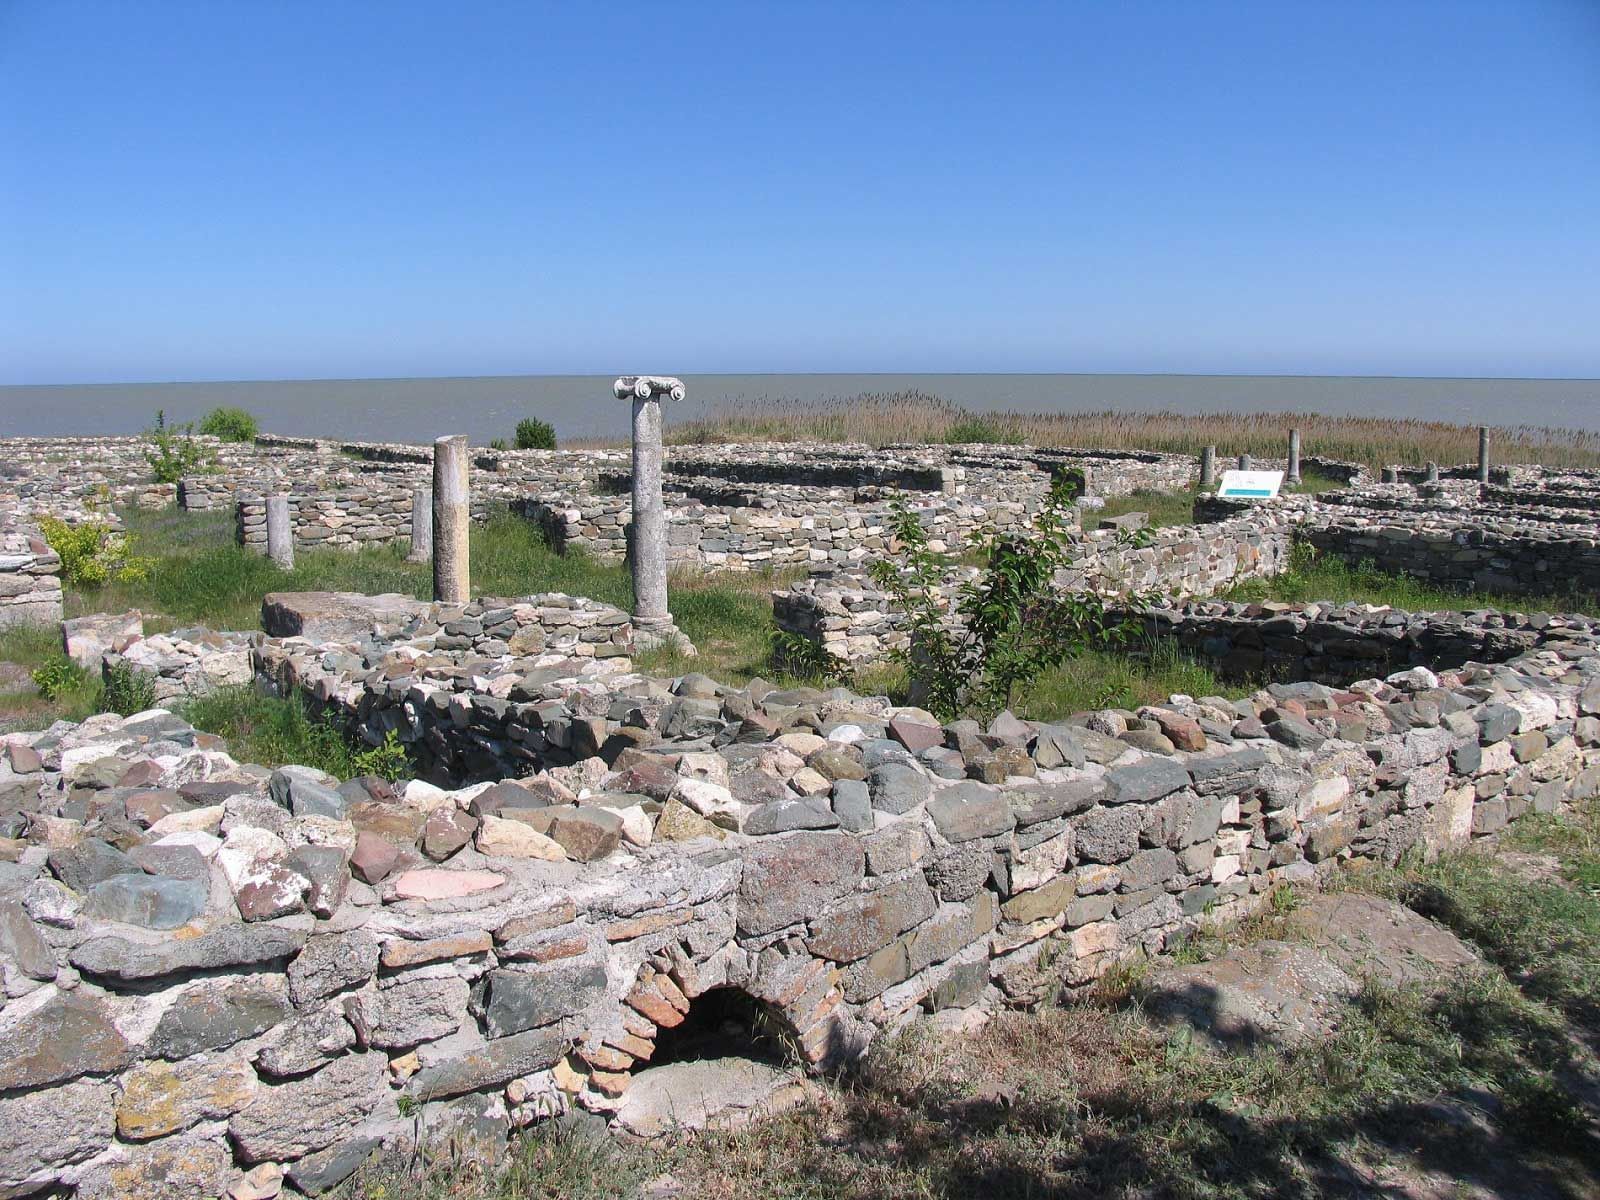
(651, 633)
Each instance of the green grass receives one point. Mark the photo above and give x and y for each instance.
(29, 648)
(199, 574)
(1163, 508)
(1313, 577)
(273, 732)
(1177, 508)
(1120, 679)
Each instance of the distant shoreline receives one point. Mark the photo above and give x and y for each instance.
(581, 406)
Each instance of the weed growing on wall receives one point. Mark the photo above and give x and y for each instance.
(127, 690)
(1006, 626)
(173, 452)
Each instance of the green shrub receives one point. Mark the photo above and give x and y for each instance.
(982, 429)
(1007, 625)
(806, 658)
(173, 452)
(499, 444)
(127, 690)
(93, 554)
(230, 424)
(387, 759)
(534, 434)
(59, 676)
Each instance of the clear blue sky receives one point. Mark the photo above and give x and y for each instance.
(276, 190)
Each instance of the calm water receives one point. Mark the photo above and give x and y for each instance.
(416, 410)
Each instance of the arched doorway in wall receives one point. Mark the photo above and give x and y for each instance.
(732, 1058)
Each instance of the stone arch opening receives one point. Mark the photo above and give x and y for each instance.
(732, 1057)
(726, 1022)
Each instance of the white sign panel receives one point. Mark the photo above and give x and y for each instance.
(1254, 484)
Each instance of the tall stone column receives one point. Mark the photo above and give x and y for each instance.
(1208, 466)
(421, 525)
(452, 519)
(1293, 475)
(1483, 454)
(280, 532)
(652, 622)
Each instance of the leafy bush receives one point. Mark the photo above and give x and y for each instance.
(499, 444)
(173, 452)
(805, 658)
(982, 429)
(93, 554)
(230, 424)
(387, 759)
(59, 676)
(1005, 626)
(127, 690)
(534, 434)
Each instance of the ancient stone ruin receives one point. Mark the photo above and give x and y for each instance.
(222, 976)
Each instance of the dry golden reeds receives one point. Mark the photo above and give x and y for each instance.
(894, 417)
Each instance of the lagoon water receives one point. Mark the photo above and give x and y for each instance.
(581, 406)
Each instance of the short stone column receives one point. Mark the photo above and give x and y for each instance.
(1432, 473)
(1391, 475)
(421, 525)
(1208, 466)
(280, 532)
(1246, 463)
(452, 519)
(1293, 474)
(647, 550)
(1483, 454)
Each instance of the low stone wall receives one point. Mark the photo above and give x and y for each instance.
(767, 533)
(30, 579)
(345, 520)
(851, 618)
(212, 969)
(1471, 551)
(1338, 643)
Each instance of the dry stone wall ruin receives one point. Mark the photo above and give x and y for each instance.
(213, 972)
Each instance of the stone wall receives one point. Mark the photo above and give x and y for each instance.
(1338, 643)
(30, 579)
(344, 520)
(856, 622)
(212, 969)
(769, 531)
(1472, 550)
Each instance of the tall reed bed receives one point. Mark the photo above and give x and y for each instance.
(884, 418)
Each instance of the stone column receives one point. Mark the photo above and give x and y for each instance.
(1391, 475)
(1293, 475)
(652, 622)
(280, 532)
(1208, 466)
(452, 519)
(1433, 473)
(1246, 463)
(1483, 454)
(421, 525)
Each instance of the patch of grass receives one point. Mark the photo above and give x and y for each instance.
(272, 732)
(1163, 508)
(25, 650)
(550, 1161)
(1312, 577)
(1544, 935)
(198, 574)
(1091, 1100)
(1121, 679)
